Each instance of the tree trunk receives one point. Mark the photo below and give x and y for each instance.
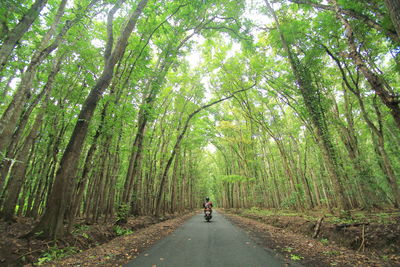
(52, 221)
(151, 90)
(134, 159)
(314, 108)
(20, 29)
(393, 7)
(390, 99)
(9, 118)
(6, 88)
(174, 185)
(177, 145)
(18, 172)
(11, 150)
(355, 15)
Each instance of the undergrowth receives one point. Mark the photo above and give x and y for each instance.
(55, 253)
(122, 231)
(82, 230)
(313, 215)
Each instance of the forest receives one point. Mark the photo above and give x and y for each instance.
(119, 108)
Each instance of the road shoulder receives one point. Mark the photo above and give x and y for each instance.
(299, 248)
(123, 249)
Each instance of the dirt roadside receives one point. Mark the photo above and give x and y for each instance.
(123, 249)
(16, 251)
(306, 250)
(283, 238)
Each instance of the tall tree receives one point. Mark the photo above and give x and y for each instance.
(51, 224)
(311, 101)
(394, 6)
(14, 35)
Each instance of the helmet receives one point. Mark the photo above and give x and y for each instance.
(207, 199)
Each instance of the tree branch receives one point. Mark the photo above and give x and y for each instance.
(367, 20)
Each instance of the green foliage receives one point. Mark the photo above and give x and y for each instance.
(290, 201)
(37, 234)
(364, 217)
(233, 178)
(288, 249)
(341, 220)
(122, 231)
(331, 253)
(81, 230)
(55, 253)
(385, 257)
(123, 212)
(261, 149)
(324, 241)
(384, 217)
(295, 257)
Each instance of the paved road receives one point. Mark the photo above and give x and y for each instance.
(198, 243)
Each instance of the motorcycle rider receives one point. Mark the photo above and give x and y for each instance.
(207, 205)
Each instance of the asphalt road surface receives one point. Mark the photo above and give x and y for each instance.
(198, 243)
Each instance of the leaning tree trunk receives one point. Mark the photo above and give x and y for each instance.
(348, 136)
(174, 199)
(389, 99)
(309, 93)
(376, 132)
(9, 118)
(134, 160)
(390, 174)
(153, 87)
(11, 150)
(6, 88)
(51, 224)
(20, 29)
(393, 7)
(17, 176)
(79, 189)
(357, 16)
(18, 172)
(378, 141)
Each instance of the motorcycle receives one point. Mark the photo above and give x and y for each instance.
(208, 215)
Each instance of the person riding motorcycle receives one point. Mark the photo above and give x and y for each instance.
(207, 205)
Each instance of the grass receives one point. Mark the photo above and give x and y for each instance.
(288, 249)
(324, 241)
(295, 257)
(383, 217)
(81, 230)
(122, 231)
(331, 253)
(55, 253)
(265, 212)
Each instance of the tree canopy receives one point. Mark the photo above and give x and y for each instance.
(112, 108)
